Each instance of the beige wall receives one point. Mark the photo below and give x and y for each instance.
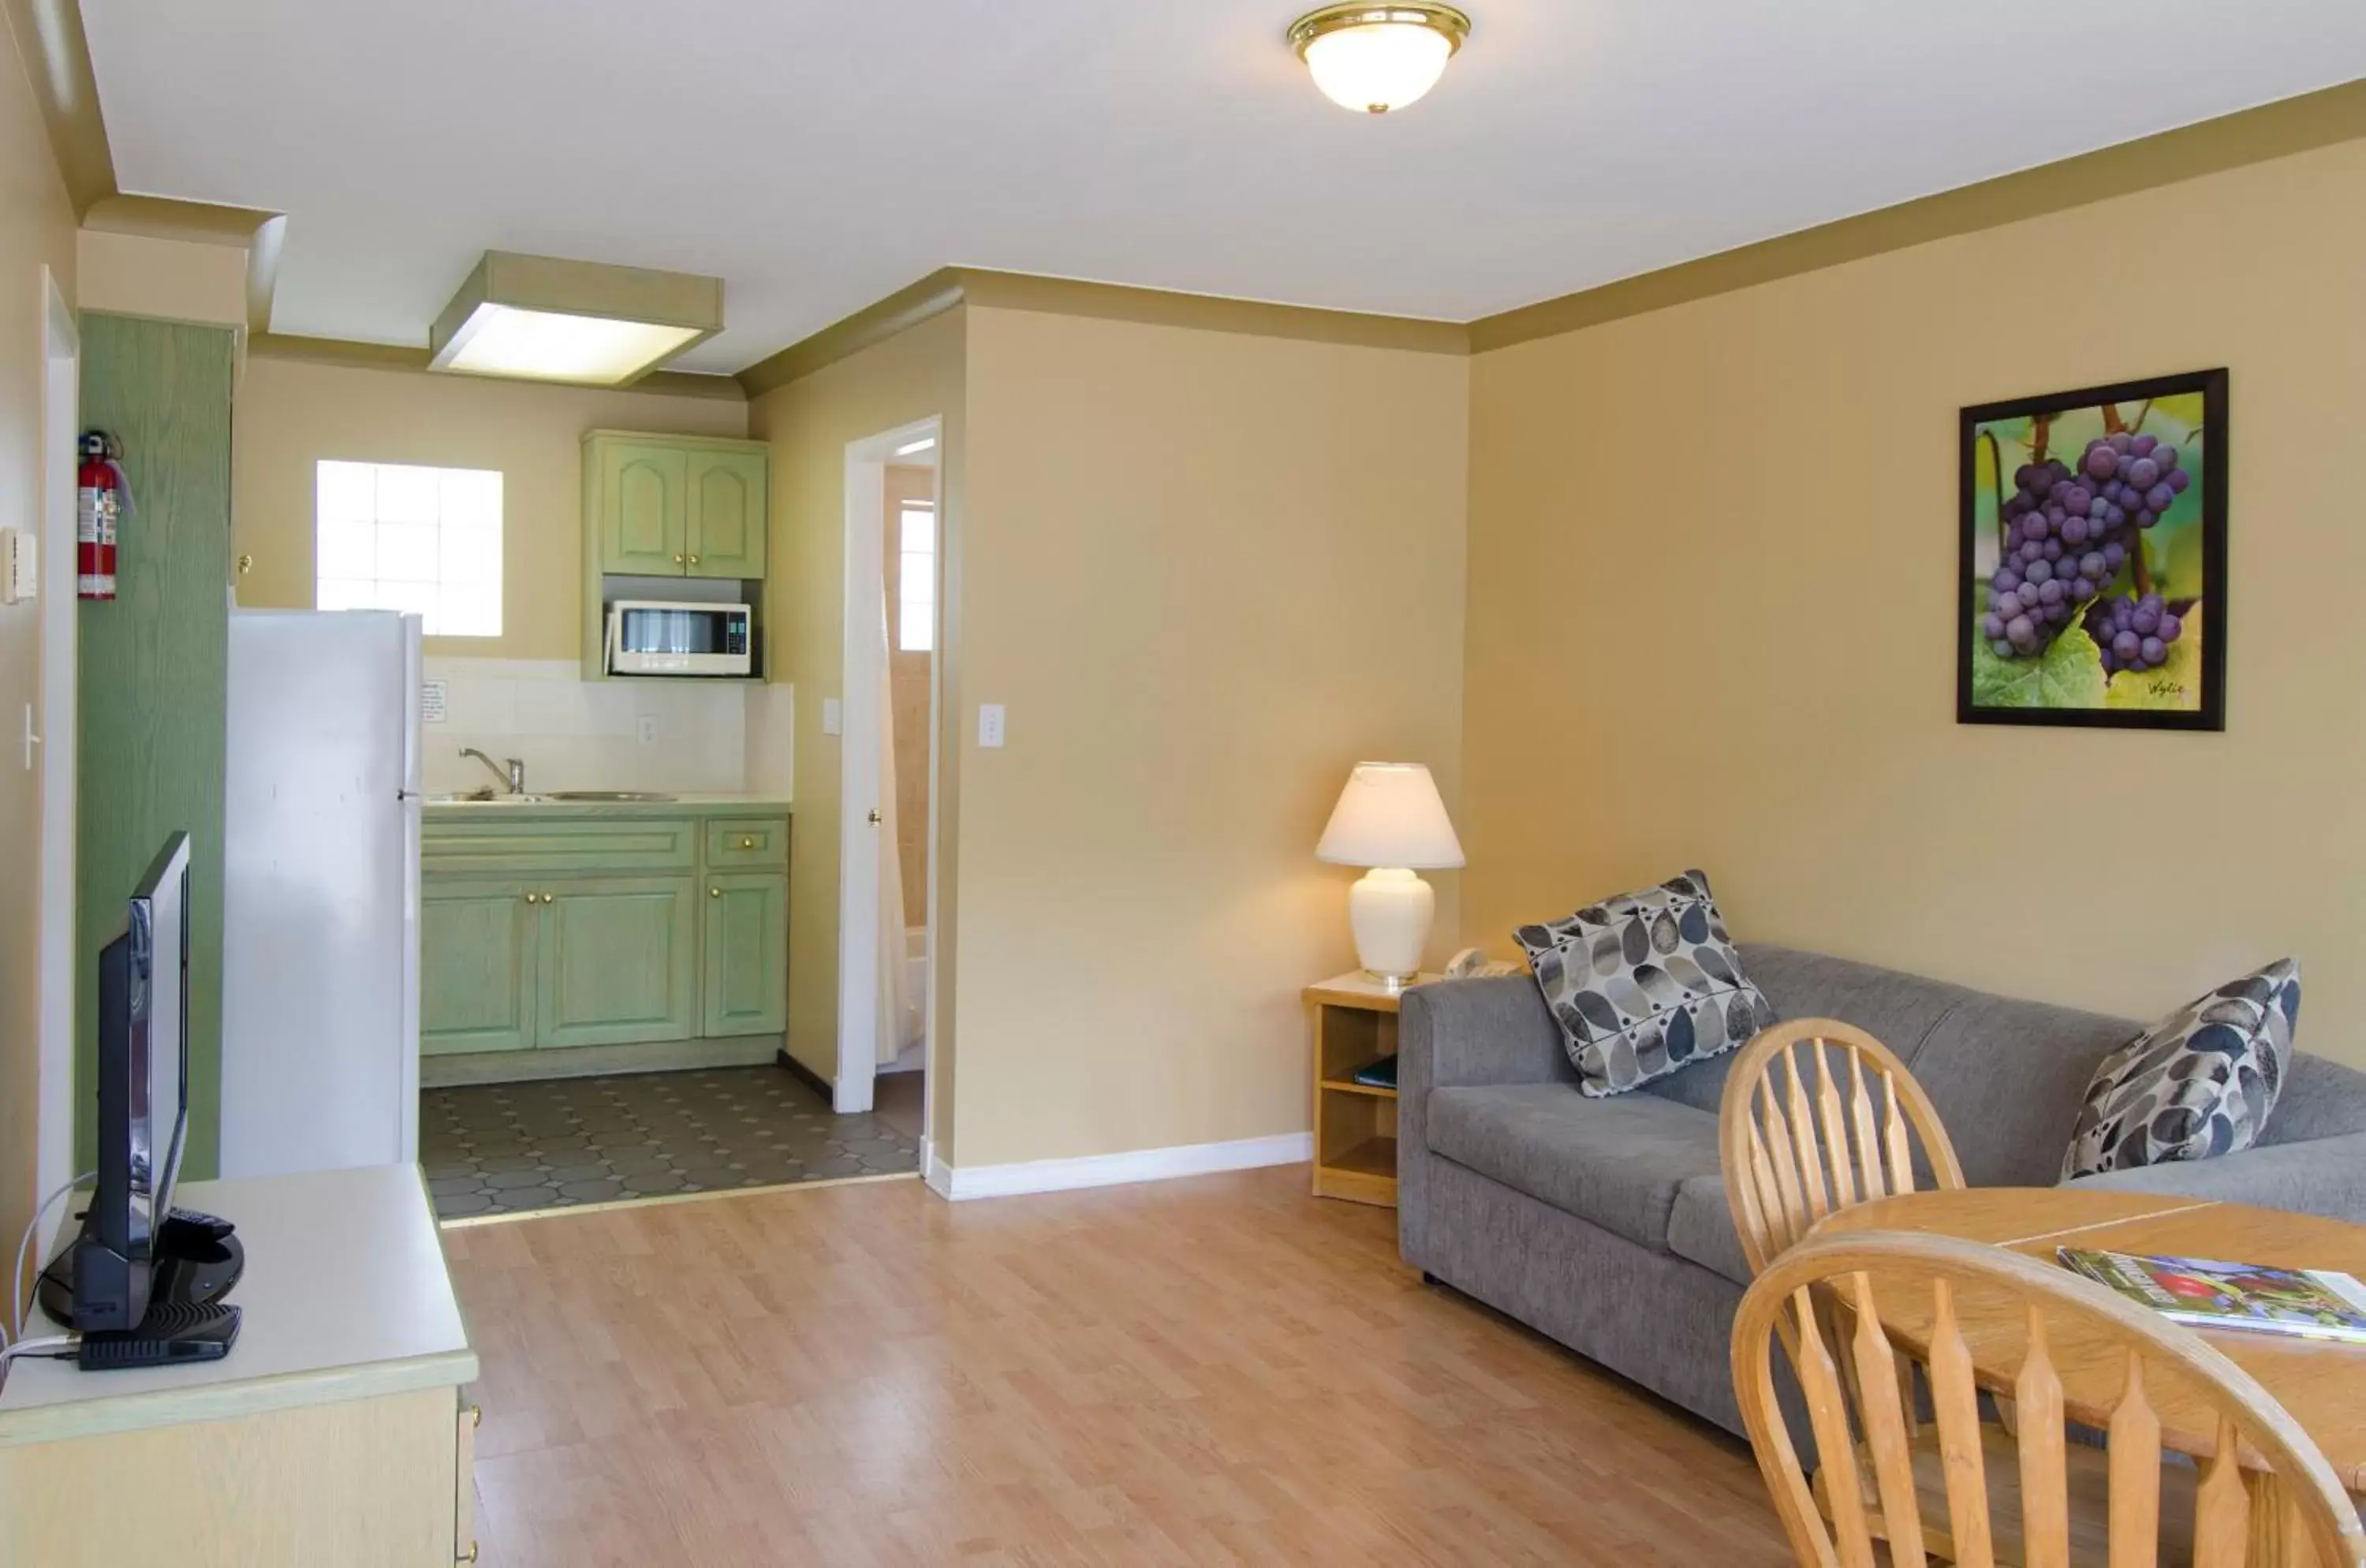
(36, 229)
(808, 423)
(181, 280)
(1712, 611)
(293, 413)
(1206, 572)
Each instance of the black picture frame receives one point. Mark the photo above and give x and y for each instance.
(2209, 712)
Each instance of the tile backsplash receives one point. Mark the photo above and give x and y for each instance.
(684, 736)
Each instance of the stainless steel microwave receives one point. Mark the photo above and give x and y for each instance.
(652, 637)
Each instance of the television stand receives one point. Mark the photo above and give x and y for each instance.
(333, 1433)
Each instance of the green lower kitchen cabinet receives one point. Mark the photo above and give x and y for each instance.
(477, 943)
(618, 961)
(549, 931)
(747, 979)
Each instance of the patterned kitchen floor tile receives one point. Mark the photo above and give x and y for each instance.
(514, 1148)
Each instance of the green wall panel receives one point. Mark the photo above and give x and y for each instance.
(154, 667)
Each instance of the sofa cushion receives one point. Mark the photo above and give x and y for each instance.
(1700, 1229)
(2200, 1082)
(1617, 1162)
(2321, 1100)
(1896, 1008)
(1643, 984)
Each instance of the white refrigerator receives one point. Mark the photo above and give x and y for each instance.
(320, 892)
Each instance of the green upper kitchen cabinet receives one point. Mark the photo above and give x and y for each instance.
(676, 505)
(639, 496)
(727, 512)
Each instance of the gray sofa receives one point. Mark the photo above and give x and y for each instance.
(1602, 1222)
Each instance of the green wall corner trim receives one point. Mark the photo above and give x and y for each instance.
(153, 674)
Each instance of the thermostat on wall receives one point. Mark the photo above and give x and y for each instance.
(20, 566)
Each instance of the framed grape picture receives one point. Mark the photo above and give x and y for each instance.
(2094, 557)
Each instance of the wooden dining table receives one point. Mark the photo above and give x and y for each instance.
(2322, 1384)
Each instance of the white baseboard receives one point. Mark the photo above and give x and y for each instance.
(934, 1172)
(960, 1182)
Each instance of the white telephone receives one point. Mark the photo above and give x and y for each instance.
(1471, 963)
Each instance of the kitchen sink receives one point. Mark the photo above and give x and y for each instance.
(619, 795)
(481, 798)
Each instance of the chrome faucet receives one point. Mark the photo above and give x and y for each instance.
(513, 775)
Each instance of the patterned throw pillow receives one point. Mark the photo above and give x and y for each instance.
(1643, 984)
(2200, 1082)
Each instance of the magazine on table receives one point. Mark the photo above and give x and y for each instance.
(2201, 1293)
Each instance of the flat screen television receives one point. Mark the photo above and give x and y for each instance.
(143, 1097)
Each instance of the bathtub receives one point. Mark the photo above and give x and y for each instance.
(913, 1028)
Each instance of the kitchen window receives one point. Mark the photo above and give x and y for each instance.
(398, 536)
(916, 578)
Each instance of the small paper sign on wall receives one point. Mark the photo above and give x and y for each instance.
(431, 702)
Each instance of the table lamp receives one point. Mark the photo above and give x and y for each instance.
(1389, 817)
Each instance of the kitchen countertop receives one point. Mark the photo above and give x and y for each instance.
(689, 803)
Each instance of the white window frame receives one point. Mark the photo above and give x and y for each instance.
(418, 538)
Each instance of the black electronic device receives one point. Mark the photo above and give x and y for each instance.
(171, 1334)
(134, 1251)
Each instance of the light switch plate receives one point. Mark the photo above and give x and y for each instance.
(833, 716)
(645, 728)
(989, 724)
(20, 566)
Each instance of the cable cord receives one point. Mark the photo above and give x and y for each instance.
(50, 1347)
(32, 1227)
(47, 1345)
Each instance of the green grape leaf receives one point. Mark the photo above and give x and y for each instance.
(2176, 685)
(2068, 675)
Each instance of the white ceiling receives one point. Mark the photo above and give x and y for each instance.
(819, 156)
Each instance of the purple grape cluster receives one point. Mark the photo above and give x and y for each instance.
(2135, 634)
(2068, 532)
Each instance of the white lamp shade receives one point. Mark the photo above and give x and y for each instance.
(1390, 815)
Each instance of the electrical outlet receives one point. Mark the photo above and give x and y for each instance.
(645, 730)
(989, 724)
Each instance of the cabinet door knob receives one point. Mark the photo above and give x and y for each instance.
(676, 560)
(747, 844)
(715, 893)
(694, 560)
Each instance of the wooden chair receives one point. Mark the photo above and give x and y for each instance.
(1800, 1141)
(1801, 1138)
(2044, 1316)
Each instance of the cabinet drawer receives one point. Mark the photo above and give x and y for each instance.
(748, 841)
(541, 848)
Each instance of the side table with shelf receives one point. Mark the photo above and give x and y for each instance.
(1353, 1021)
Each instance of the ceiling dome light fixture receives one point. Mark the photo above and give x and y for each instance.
(1377, 58)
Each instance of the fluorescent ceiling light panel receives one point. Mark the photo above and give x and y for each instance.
(922, 445)
(540, 317)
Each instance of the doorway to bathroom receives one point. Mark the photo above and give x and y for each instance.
(889, 781)
(909, 593)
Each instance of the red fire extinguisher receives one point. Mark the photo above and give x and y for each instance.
(101, 500)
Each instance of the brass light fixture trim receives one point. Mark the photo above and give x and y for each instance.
(1447, 22)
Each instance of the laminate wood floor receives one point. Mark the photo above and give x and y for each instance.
(1219, 1370)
